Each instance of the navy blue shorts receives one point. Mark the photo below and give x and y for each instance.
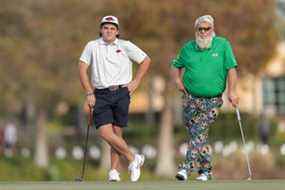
(111, 107)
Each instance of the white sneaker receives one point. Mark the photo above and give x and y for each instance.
(114, 175)
(182, 175)
(202, 177)
(134, 167)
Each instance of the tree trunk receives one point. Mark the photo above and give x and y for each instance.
(41, 149)
(165, 162)
(29, 113)
(29, 118)
(150, 117)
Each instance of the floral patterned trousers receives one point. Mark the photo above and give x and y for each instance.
(198, 114)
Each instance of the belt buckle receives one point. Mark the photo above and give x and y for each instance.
(113, 88)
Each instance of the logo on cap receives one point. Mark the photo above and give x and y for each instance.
(109, 19)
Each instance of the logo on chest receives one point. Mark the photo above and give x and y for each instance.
(215, 55)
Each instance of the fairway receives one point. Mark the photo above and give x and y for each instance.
(161, 185)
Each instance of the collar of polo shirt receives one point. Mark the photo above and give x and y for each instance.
(102, 42)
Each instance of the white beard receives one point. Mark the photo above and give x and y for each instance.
(204, 43)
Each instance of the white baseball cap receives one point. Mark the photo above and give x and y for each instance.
(110, 19)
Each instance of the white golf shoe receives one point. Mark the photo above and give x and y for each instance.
(182, 175)
(114, 175)
(135, 167)
(204, 177)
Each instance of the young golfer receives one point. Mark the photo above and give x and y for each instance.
(108, 93)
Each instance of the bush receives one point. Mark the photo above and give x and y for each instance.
(13, 169)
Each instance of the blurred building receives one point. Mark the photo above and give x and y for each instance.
(151, 98)
(265, 92)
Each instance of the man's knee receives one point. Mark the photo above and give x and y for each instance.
(106, 132)
(118, 131)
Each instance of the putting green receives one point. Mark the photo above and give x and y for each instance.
(157, 185)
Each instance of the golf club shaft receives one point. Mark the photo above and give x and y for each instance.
(243, 140)
(90, 123)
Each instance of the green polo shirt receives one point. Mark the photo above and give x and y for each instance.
(206, 70)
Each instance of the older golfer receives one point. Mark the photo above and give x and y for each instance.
(109, 92)
(208, 63)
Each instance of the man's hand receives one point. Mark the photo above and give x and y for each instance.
(91, 99)
(232, 81)
(233, 99)
(132, 86)
(177, 75)
(143, 67)
(180, 86)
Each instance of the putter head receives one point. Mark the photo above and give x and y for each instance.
(78, 179)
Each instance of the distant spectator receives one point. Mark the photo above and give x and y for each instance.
(1, 140)
(10, 139)
(263, 128)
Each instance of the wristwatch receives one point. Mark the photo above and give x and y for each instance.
(89, 93)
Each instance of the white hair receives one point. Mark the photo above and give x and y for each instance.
(204, 18)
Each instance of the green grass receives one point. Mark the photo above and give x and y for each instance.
(158, 185)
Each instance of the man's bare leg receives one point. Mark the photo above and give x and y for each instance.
(117, 143)
(115, 155)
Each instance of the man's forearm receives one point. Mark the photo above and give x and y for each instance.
(84, 78)
(177, 73)
(143, 67)
(232, 80)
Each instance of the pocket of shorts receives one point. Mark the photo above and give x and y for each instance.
(97, 103)
(128, 92)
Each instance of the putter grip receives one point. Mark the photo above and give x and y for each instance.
(90, 117)
(238, 114)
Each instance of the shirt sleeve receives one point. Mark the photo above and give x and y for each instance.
(230, 60)
(135, 53)
(86, 55)
(179, 61)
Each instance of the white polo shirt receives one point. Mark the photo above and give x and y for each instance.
(111, 64)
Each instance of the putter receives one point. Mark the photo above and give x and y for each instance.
(243, 140)
(90, 123)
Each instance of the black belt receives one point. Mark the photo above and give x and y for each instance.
(111, 88)
(207, 97)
